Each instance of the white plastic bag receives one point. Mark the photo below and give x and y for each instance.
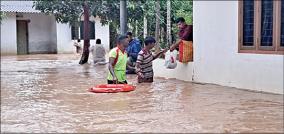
(170, 59)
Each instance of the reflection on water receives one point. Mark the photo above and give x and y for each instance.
(47, 93)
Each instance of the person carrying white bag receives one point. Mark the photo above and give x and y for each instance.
(170, 59)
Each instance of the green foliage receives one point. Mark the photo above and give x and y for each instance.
(69, 11)
(2, 16)
(183, 8)
(179, 8)
(64, 11)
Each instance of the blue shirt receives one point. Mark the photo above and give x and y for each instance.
(134, 47)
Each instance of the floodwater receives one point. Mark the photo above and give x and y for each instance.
(48, 93)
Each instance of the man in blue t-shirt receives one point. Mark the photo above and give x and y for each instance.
(134, 47)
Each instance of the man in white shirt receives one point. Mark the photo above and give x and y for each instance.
(98, 52)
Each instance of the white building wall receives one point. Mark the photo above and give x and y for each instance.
(45, 35)
(9, 34)
(102, 32)
(64, 41)
(216, 57)
(181, 72)
(41, 32)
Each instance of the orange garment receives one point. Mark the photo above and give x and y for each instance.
(185, 51)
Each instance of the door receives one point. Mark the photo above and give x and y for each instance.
(22, 37)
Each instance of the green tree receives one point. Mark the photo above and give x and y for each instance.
(70, 11)
(2, 16)
(182, 8)
(157, 28)
(109, 11)
(169, 29)
(179, 8)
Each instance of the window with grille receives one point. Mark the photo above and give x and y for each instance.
(248, 23)
(261, 28)
(75, 31)
(91, 30)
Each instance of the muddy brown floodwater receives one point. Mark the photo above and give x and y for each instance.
(47, 93)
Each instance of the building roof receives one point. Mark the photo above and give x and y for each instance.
(18, 6)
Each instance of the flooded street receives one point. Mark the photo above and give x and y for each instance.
(48, 93)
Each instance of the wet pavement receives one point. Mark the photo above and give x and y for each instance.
(47, 93)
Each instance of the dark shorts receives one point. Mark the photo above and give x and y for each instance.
(111, 82)
(145, 80)
(130, 71)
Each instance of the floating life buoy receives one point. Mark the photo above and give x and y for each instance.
(112, 88)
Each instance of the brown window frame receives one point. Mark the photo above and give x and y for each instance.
(276, 48)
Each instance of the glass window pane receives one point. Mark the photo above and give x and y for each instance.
(82, 30)
(266, 22)
(248, 22)
(74, 32)
(91, 30)
(282, 24)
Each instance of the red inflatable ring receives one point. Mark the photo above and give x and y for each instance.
(112, 88)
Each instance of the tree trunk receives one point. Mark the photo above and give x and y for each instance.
(169, 34)
(113, 34)
(85, 55)
(157, 30)
(162, 35)
(123, 17)
(136, 28)
(145, 27)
